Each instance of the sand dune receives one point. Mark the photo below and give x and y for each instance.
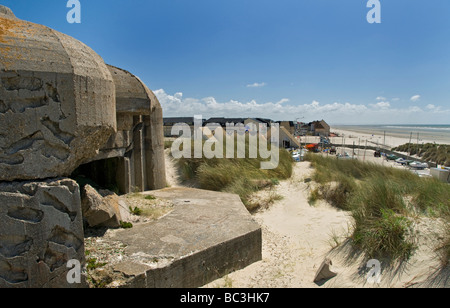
(297, 237)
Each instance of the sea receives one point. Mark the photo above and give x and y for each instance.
(425, 133)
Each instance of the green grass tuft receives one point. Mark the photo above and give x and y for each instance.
(242, 176)
(382, 201)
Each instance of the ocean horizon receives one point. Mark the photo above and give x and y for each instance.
(401, 126)
(419, 127)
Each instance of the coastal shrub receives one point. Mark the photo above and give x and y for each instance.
(242, 176)
(168, 144)
(338, 193)
(444, 248)
(432, 197)
(380, 193)
(381, 200)
(388, 235)
(381, 227)
(314, 196)
(437, 153)
(329, 168)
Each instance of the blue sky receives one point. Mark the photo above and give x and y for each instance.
(285, 59)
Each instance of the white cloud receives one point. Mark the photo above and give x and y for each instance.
(415, 109)
(381, 105)
(381, 98)
(282, 101)
(434, 108)
(257, 85)
(415, 98)
(381, 112)
(176, 105)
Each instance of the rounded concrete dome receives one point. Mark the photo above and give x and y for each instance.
(133, 97)
(57, 101)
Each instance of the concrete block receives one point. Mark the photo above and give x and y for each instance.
(41, 230)
(208, 235)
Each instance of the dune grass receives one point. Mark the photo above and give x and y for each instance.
(382, 201)
(438, 153)
(444, 249)
(242, 176)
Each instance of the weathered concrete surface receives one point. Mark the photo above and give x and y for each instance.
(57, 112)
(100, 208)
(41, 229)
(135, 99)
(57, 101)
(6, 12)
(207, 236)
(139, 135)
(131, 96)
(324, 272)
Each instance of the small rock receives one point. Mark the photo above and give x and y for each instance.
(100, 209)
(324, 272)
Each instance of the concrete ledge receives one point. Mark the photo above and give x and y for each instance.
(206, 236)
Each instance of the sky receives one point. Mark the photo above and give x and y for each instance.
(292, 60)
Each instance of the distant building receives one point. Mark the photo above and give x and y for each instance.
(288, 129)
(224, 121)
(303, 129)
(320, 128)
(257, 121)
(287, 140)
(170, 122)
(289, 126)
(316, 128)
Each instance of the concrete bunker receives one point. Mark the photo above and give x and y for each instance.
(62, 107)
(132, 160)
(64, 112)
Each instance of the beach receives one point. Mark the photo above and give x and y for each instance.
(385, 137)
(391, 136)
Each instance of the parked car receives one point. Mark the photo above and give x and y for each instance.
(403, 162)
(418, 165)
(392, 157)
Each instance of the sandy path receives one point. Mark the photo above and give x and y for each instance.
(296, 239)
(172, 174)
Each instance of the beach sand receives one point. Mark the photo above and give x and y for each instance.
(359, 138)
(295, 238)
(360, 135)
